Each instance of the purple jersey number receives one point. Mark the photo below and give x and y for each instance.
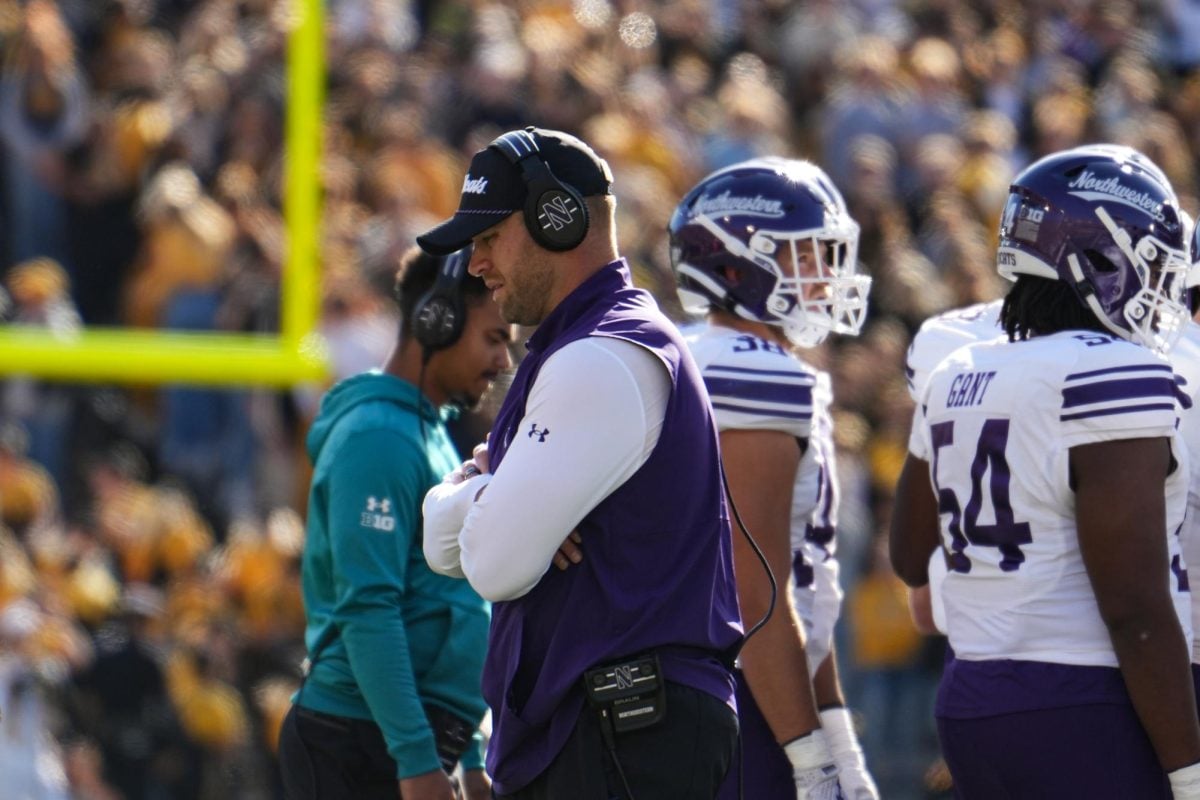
(964, 526)
(748, 344)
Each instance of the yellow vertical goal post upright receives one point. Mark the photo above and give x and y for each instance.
(297, 354)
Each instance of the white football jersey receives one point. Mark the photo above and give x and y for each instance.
(938, 337)
(941, 335)
(756, 384)
(1185, 357)
(997, 422)
(814, 531)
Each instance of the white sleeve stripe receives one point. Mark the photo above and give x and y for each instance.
(1112, 370)
(762, 406)
(800, 378)
(760, 411)
(1105, 412)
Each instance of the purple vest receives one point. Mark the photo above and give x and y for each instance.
(657, 571)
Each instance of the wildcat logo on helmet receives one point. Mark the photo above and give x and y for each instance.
(474, 185)
(1096, 189)
(725, 203)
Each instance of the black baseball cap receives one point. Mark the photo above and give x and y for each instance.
(494, 188)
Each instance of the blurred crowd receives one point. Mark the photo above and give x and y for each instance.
(149, 537)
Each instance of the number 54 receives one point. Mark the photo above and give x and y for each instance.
(1006, 533)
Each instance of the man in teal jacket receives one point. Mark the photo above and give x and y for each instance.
(395, 650)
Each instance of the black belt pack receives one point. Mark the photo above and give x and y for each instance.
(629, 694)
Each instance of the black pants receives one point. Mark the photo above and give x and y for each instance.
(323, 757)
(684, 757)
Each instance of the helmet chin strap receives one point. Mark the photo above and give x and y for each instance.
(694, 302)
(1120, 236)
(734, 245)
(699, 301)
(1090, 298)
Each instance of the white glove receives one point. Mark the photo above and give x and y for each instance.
(856, 782)
(813, 767)
(1185, 782)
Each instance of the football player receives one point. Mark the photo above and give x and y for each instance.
(937, 338)
(768, 251)
(1185, 358)
(1057, 485)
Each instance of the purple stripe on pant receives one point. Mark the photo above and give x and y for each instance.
(1093, 751)
(760, 765)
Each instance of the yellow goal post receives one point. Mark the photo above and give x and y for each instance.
(297, 354)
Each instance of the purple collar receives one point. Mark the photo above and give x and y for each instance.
(607, 280)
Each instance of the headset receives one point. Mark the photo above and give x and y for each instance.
(439, 315)
(555, 213)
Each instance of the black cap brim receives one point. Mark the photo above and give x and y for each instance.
(458, 231)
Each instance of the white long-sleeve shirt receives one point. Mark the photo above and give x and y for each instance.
(593, 417)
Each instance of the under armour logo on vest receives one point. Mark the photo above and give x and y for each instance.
(558, 213)
(540, 434)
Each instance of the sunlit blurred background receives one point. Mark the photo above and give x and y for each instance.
(150, 619)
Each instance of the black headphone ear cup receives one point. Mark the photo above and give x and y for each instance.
(555, 215)
(439, 315)
(437, 320)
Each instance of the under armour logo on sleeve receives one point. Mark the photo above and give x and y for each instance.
(541, 434)
(378, 515)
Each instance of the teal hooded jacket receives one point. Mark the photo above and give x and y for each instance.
(384, 632)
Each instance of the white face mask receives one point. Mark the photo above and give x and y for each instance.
(817, 291)
(828, 298)
(1157, 314)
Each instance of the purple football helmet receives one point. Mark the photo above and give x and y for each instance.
(1193, 276)
(770, 240)
(1105, 220)
(1195, 248)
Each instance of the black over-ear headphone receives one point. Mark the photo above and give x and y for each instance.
(439, 315)
(555, 214)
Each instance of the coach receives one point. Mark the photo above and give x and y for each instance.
(606, 432)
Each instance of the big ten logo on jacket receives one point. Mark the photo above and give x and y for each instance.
(378, 515)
